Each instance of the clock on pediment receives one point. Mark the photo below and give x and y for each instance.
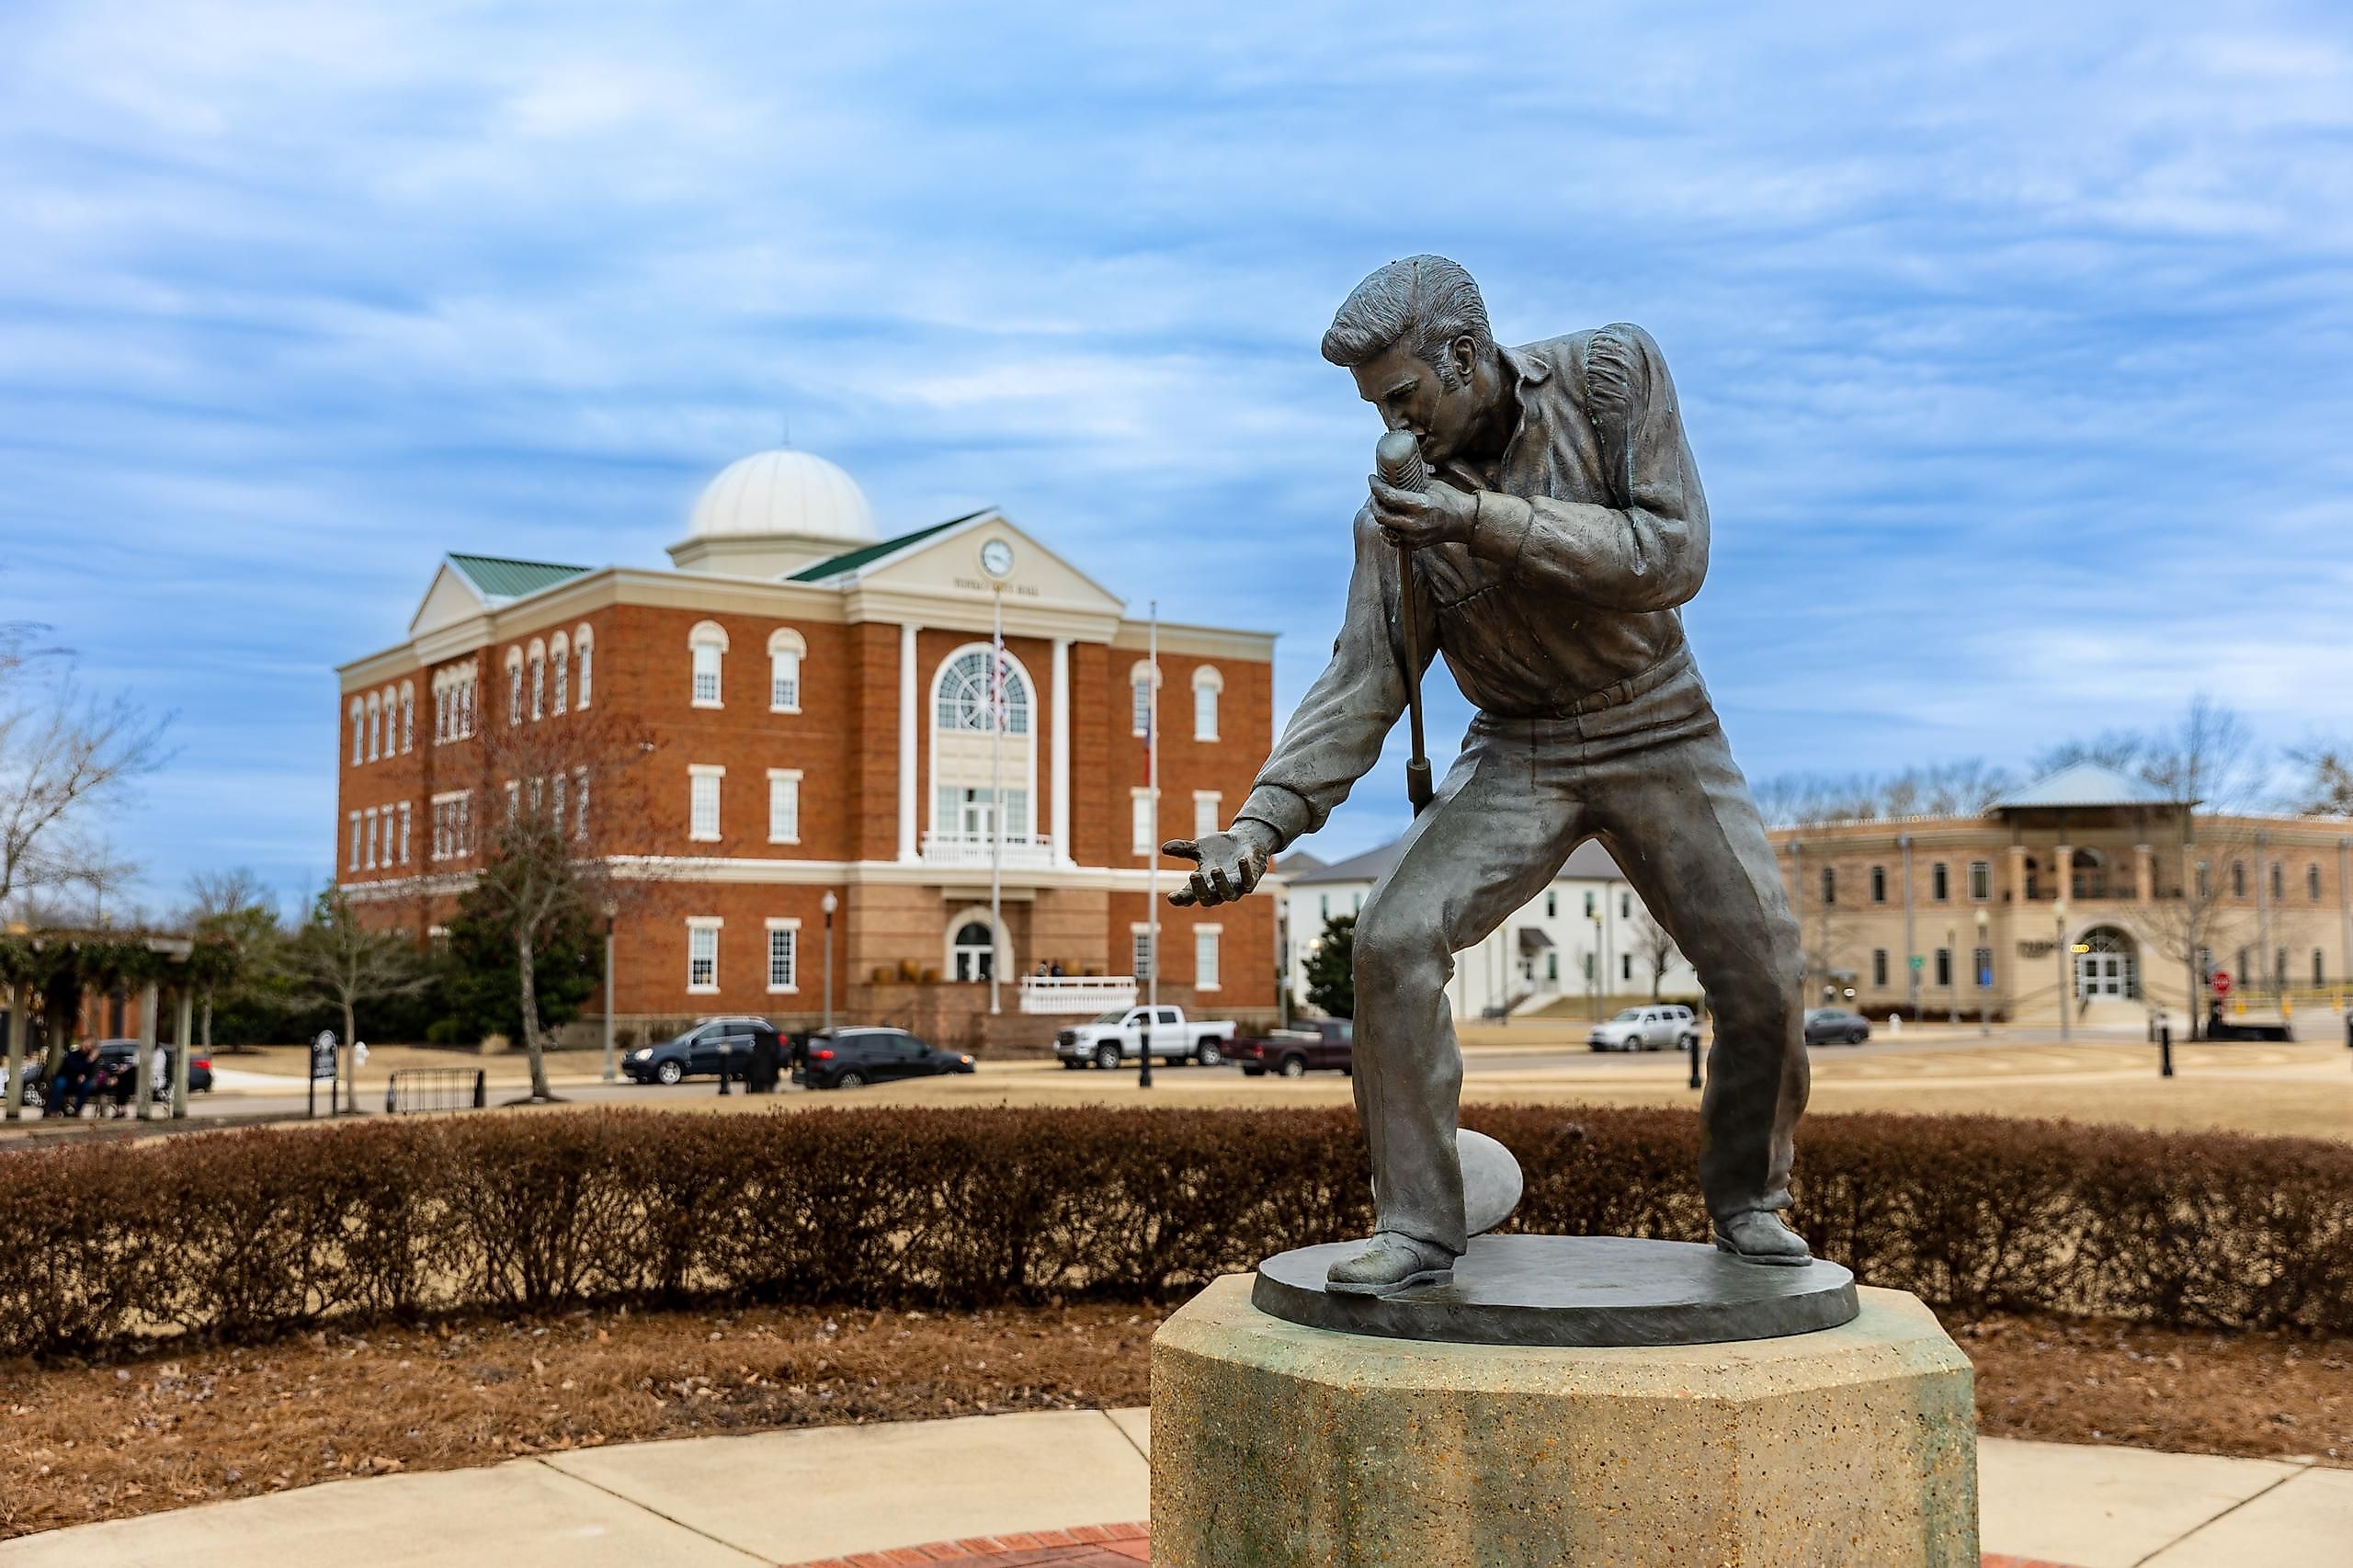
(996, 558)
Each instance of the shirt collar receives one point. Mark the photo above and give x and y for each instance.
(1531, 369)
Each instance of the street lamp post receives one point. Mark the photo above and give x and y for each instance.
(829, 904)
(1596, 962)
(1981, 960)
(612, 912)
(2059, 918)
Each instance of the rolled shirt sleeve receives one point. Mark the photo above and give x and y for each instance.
(1336, 735)
(1650, 552)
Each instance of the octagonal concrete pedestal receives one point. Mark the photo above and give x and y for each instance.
(1278, 1446)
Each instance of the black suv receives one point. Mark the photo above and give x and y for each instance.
(702, 1051)
(851, 1058)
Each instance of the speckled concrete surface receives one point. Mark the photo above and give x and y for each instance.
(1286, 1447)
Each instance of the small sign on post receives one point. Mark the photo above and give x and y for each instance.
(321, 1066)
(2221, 984)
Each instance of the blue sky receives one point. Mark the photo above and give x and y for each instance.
(2013, 344)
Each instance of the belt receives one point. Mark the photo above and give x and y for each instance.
(1618, 693)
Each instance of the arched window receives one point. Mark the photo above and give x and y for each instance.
(583, 644)
(1142, 680)
(1207, 684)
(539, 680)
(358, 731)
(786, 647)
(708, 644)
(2312, 881)
(559, 654)
(375, 725)
(2238, 886)
(513, 686)
(975, 953)
(408, 715)
(965, 696)
(2276, 895)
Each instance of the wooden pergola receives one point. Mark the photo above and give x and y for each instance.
(35, 959)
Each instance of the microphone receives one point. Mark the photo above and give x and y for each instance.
(1397, 458)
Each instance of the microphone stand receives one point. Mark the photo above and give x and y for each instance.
(1399, 462)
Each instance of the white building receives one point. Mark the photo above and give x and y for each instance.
(1585, 942)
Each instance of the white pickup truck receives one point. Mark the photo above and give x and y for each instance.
(1120, 1035)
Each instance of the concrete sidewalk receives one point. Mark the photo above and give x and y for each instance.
(827, 1492)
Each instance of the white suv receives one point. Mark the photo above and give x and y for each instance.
(1647, 1029)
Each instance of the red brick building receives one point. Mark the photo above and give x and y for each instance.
(814, 716)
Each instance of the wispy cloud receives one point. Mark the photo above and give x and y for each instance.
(2013, 344)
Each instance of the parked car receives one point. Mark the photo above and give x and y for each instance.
(123, 1056)
(1654, 1027)
(1120, 1035)
(702, 1051)
(1825, 1026)
(1316, 1045)
(853, 1058)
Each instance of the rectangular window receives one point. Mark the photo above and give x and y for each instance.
(587, 668)
(1553, 965)
(1878, 964)
(514, 801)
(563, 680)
(1878, 885)
(2319, 970)
(784, 954)
(1829, 884)
(1939, 888)
(1625, 966)
(1140, 716)
(1551, 903)
(1588, 903)
(1944, 966)
(354, 841)
(404, 833)
(1323, 906)
(2275, 894)
(1982, 958)
(539, 689)
(784, 682)
(703, 953)
(2312, 881)
(556, 803)
(580, 804)
(1625, 906)
(1141, 822)
(1204, 711)
(1981, 879)
(784, 805)
(1206, 804)
(1140, 952)
(702, 802)
(371, 841)
(1205, 973)
(706, 675)
(466, 822)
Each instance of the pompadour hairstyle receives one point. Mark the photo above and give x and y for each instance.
(1427, 296)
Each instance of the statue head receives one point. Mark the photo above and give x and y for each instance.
(1415, 336)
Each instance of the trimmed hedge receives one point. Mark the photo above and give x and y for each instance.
(250, 1233)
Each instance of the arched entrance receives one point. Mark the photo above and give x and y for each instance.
(974, 952)
(2108, 966)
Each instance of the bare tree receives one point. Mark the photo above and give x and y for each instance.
(234, 921)
(1651, 943)
(2209, 763)
(1952, 788)
(563, 804)
(2327, 786)
(336, 961)
(63, 758)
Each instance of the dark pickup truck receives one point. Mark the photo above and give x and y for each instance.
(1320, 1045)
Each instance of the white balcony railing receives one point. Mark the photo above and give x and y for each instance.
(1023, 852)
(1077, 994)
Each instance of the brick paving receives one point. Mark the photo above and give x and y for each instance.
(1095, 1546)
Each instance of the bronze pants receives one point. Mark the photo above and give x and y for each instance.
(1652, 777)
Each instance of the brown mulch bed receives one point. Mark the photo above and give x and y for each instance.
(87, 1442)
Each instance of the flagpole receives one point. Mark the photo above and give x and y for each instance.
(996, 789)
(1152, 846)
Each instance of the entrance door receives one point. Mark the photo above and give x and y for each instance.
(2104, 970)
(975, 953)
(976, 817)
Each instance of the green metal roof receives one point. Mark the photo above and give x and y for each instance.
(850, 560)
(497, 577)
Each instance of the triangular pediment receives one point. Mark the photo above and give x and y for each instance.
(450, 600)
(953, 562)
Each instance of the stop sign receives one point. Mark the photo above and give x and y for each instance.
(2221, 982)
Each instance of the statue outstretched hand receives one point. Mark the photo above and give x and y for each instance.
(1227, 864)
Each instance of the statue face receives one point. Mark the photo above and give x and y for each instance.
(1412, 396)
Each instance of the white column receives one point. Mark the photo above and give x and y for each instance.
(1060, 760)
(907, 842)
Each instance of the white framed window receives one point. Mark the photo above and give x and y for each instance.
(966, 703)
(580, 804)
(539, 680)
(1143, 820)
(707, 643)
(702, 801)
(514, 801)
(558, 789)
(1207, 806)
(1143, 680)
(584, 647)
(784, 805)
(784, 956)
(1205, 967)
(358, 731)
(560, 659)
(703, 952)
(375, 725)
(408, 716)
(513, 686)
(405, 806)
(786, 647)
(354, 841)
(1207, 684)
(371, 862)
(1139, 951)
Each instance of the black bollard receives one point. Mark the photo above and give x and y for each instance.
(2165, 1050)
(722, 1069)
(1695, 1061)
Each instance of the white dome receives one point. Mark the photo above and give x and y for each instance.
(783, 492)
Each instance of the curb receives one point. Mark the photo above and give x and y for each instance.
(1112, 1543)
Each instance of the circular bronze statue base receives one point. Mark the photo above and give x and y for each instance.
(1570, 1291)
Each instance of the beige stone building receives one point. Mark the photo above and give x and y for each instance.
(2087, 889)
